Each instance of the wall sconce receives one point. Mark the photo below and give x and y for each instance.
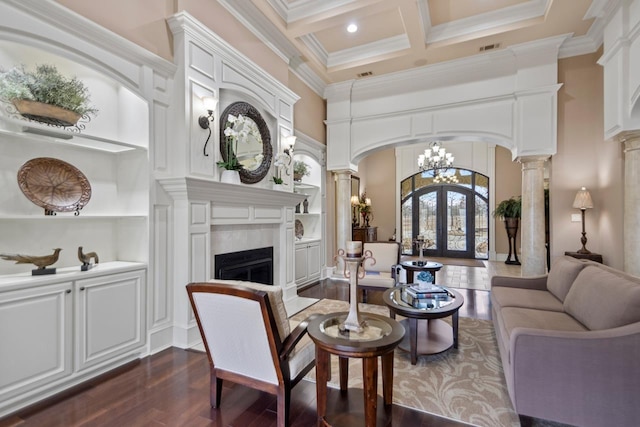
(288, 142)
(209, 104)
(583, 202)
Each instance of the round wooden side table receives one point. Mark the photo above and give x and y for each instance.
(379, 337)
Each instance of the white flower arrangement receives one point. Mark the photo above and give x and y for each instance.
(239, 128)
(279, 161)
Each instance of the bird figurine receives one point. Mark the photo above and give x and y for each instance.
(85, 258)
(39, 261)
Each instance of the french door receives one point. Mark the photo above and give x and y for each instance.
(446, 219)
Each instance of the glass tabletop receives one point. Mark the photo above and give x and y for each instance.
(405, 297)
(421, 264)
(374, 329)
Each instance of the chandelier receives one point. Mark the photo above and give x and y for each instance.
(437, 159)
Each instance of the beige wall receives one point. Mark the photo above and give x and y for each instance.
(377, 174)
(585, 159)
(508, 184)
(144, 23)
(141, 21)
(309, 111)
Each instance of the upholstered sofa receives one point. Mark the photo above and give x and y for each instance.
(570, 343)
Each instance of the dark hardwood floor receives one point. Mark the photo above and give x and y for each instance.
(171, 388)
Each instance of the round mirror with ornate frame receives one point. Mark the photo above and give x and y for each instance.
(253, 150)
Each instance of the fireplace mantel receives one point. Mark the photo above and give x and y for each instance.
(228, 194)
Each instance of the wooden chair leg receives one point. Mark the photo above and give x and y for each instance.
(364, 295)
(215, 393)
(284, 398)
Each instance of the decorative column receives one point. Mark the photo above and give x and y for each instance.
(631, 141)
(533, 253)
(343, 214)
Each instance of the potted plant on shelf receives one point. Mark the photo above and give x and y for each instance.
(300, 169)
(509, 210)
(45, 95)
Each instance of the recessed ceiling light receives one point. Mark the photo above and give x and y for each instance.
(352, 28)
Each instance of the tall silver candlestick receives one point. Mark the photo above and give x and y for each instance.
(352, 271)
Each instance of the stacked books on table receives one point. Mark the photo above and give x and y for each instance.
(423, 295)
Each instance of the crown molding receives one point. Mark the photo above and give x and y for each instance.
(471, 26)
(315, 47)
(261, 27)
(369, 50)
(307, 75)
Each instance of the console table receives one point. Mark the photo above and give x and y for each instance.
(592, 256)
(365, 234)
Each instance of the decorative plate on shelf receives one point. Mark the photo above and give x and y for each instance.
(299, 229)
(54, 185)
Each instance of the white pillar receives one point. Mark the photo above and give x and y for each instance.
(631, 141)
(533, 254)
(343, 215)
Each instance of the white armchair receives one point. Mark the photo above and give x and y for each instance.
(248, 339)
(379, 276)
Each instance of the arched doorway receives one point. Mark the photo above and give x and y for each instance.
(450, 215)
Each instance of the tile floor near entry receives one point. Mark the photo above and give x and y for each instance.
(479, 278)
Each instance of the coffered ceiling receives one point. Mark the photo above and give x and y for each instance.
(395, 35)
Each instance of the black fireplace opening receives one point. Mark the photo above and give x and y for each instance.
(253, 265)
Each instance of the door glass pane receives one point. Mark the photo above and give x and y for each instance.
(424, 179)
(407, 229)
(456, 221)
(464, 178)
(405, 188)
(482, 185)
(482, 228)
(428, 220)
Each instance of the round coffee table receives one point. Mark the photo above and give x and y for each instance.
(428, 333)
(418, 265)
(380, 337)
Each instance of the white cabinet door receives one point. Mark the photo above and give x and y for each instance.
(313, 261)
(35, 338)
(301, 263)
(110, 316)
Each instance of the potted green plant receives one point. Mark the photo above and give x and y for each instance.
(300, 169)
(45, 95)
(509, 210)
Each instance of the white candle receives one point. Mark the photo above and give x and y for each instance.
(354, 249)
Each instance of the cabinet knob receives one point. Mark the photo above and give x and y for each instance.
(82, 288)
(68, 291)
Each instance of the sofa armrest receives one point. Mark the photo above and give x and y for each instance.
(534, 282)
(580, 378)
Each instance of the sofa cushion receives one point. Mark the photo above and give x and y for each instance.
(502, 296)
(562, 275)
(516, 317)
(603, 298)
(378, 279)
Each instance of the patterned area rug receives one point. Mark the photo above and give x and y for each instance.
(465, 384)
